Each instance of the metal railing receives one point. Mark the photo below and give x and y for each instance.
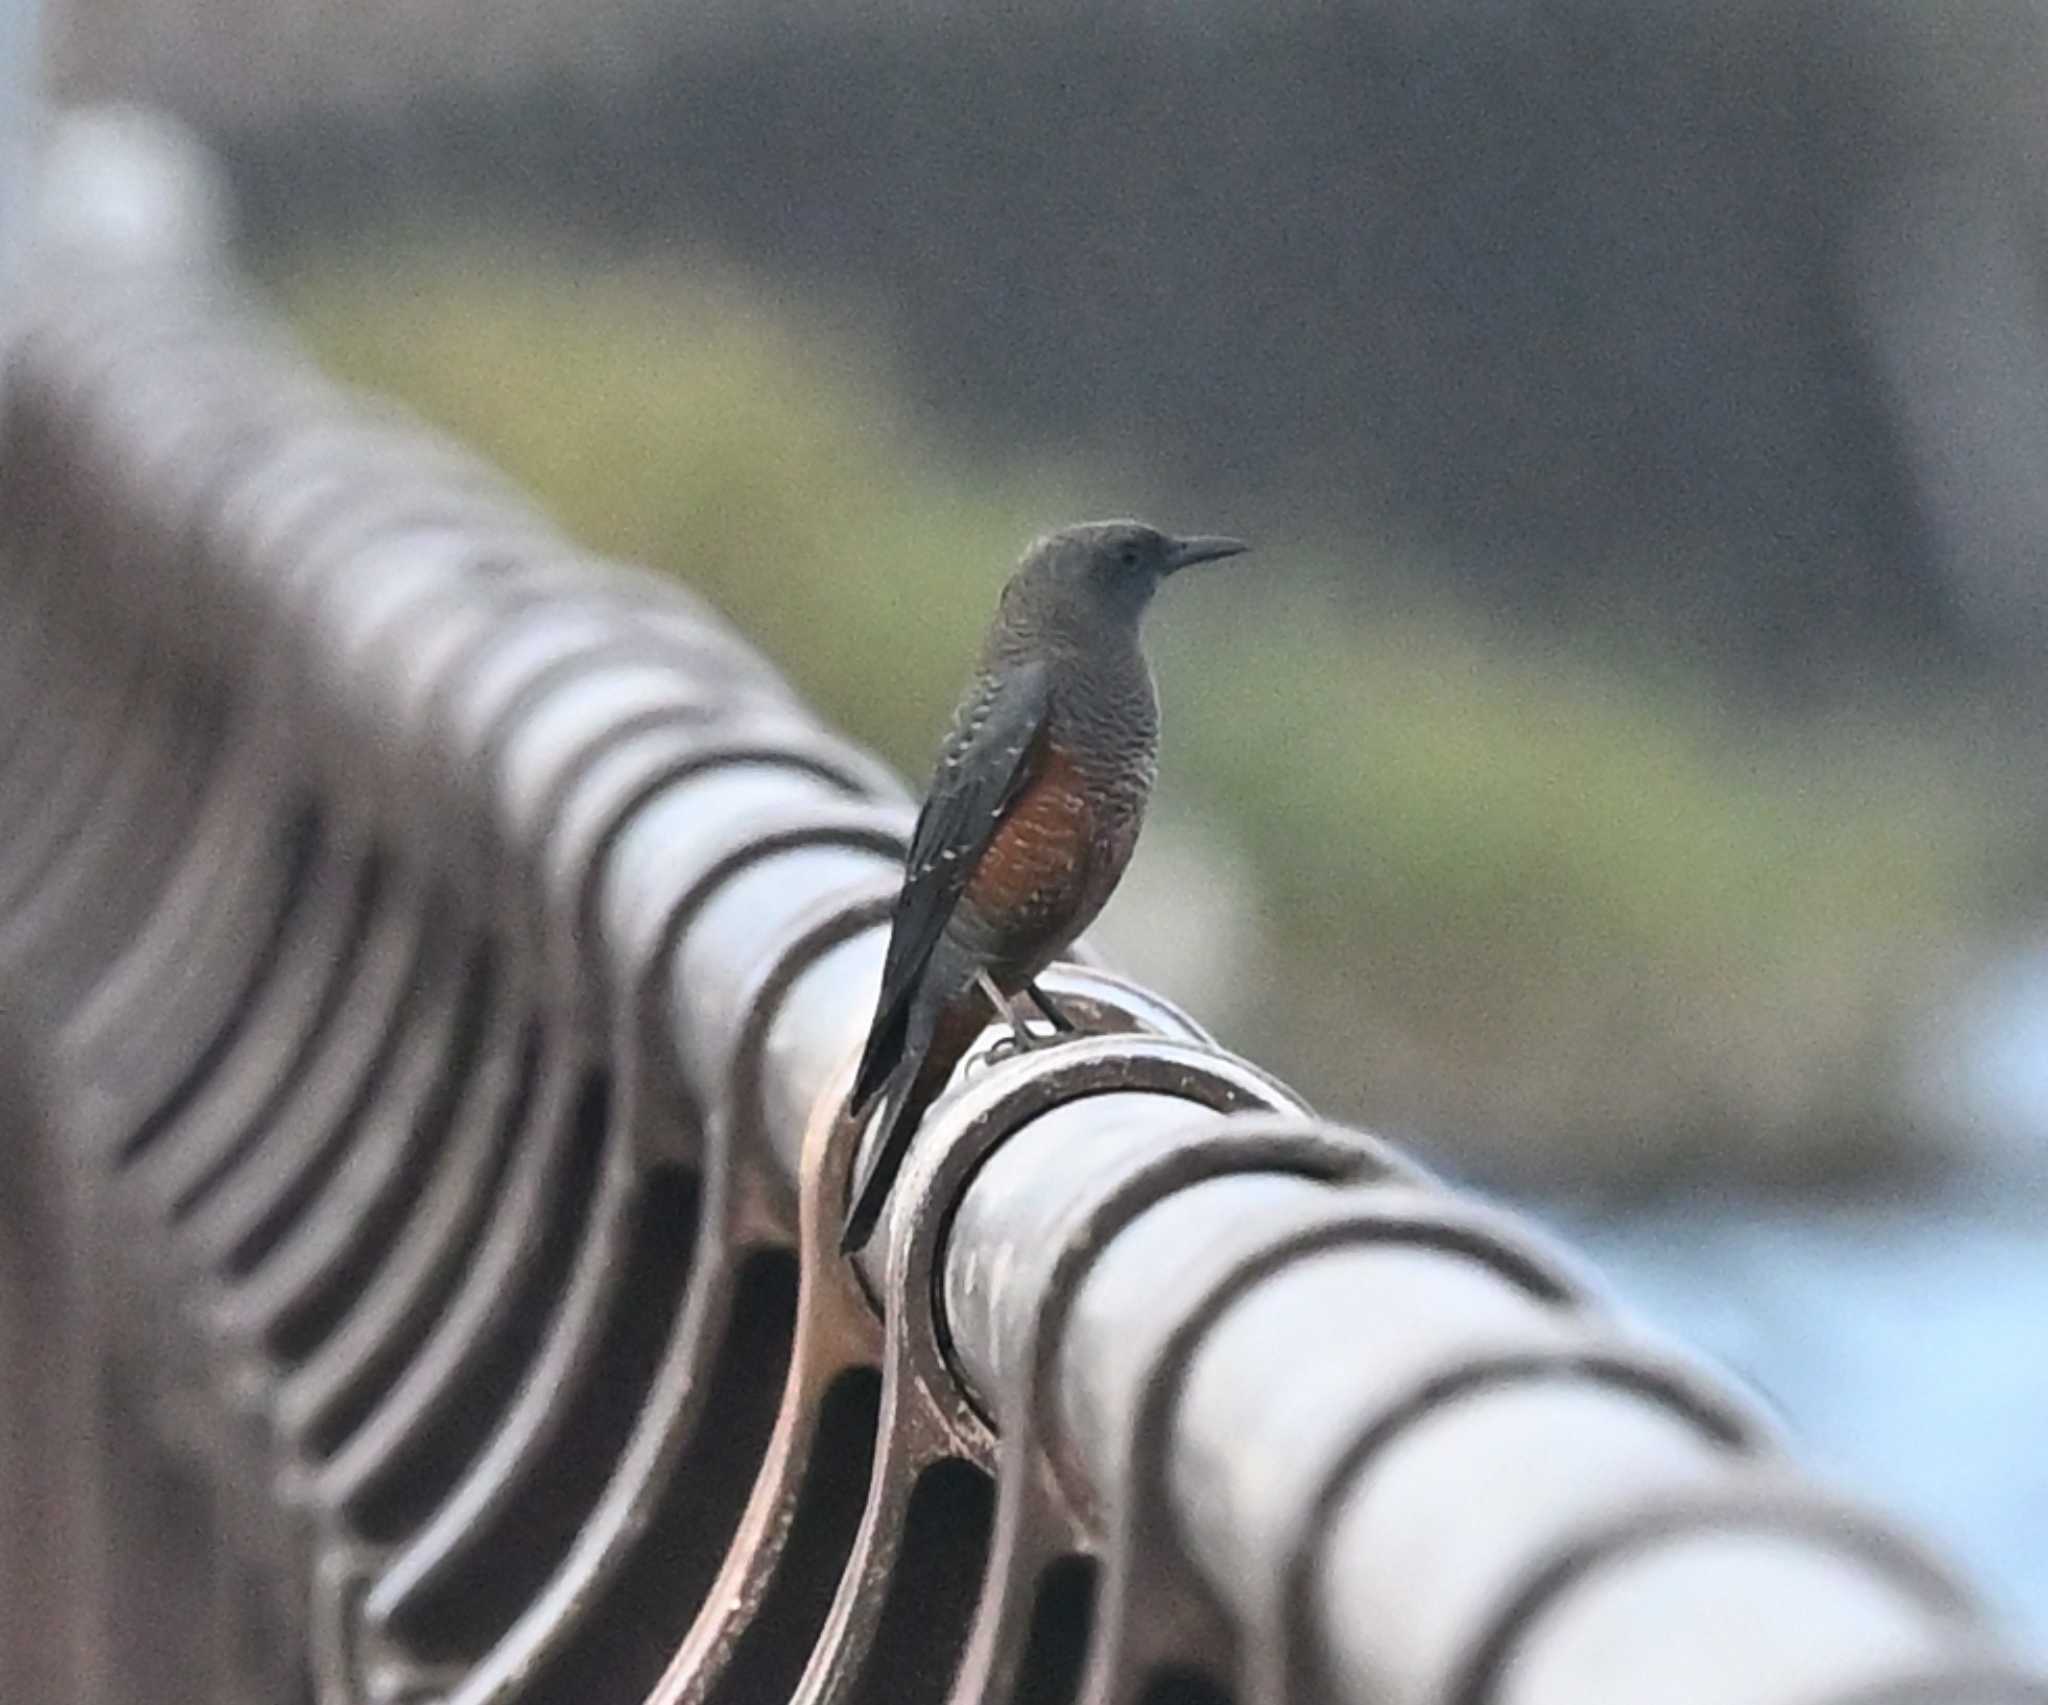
(443, 953)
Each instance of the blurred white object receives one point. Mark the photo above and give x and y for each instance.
(129, 184)
(1189, 922)
(1985, 1070)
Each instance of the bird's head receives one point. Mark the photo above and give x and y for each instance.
(1113, 567)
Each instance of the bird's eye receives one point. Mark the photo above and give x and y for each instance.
(1128, 556)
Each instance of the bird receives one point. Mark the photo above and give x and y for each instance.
(1029, 823)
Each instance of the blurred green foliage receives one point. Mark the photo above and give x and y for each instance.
(1534, 899)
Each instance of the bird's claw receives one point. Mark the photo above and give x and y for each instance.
(1014, 1042)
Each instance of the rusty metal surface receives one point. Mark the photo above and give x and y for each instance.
(443, 953)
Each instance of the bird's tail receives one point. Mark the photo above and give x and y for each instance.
(907, 1093)
(880, 1058)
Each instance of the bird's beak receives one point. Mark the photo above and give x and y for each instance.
(1202, 547)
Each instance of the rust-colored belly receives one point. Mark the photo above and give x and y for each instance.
(1049, 868)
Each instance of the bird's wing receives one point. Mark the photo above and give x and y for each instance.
(987, 760)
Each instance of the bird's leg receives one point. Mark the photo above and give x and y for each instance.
(1053, 1015)
(1020, 1040)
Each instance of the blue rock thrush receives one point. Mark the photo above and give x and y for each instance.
(1030, 821)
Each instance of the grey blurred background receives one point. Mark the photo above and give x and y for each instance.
(1620, 770)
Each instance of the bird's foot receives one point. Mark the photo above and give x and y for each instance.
(1054, 1016)
(1022, 1039)
(1017, 1042)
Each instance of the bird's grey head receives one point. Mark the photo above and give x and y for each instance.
(1102, 570)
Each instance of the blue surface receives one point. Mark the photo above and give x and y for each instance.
(1905, 1343)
